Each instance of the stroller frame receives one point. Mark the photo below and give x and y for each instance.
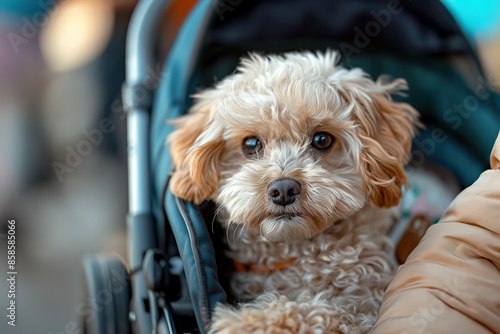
(146, 281)
(144, 304)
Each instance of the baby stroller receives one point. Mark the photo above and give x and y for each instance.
(176, 273)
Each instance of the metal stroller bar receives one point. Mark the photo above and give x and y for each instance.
(137, 99)
(140, 64)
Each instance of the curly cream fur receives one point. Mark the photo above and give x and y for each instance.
(336, 228)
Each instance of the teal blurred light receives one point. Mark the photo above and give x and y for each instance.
(478, 18)
(25, 7)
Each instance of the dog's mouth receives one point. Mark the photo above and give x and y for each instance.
(286, 215)
(285, 226)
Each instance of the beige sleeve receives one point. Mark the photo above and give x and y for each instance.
(450, 283)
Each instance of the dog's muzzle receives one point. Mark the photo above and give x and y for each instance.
(283, 191)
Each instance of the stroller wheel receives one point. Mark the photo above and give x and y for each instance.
(107, 302)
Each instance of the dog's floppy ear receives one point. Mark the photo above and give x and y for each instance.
(196, 146)
(386, 129)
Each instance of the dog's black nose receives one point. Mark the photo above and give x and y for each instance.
(283, 191)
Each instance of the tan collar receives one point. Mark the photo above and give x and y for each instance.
(262, 268)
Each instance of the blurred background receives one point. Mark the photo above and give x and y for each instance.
(62, 64)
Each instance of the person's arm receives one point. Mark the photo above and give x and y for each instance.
(450, 283)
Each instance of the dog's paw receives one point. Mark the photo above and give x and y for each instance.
(272, 314)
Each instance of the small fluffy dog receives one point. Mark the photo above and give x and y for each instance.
(303, 158)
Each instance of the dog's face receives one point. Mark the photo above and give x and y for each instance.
(290, 144)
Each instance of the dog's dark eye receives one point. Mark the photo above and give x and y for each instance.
(251, 146)
(322, 141)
